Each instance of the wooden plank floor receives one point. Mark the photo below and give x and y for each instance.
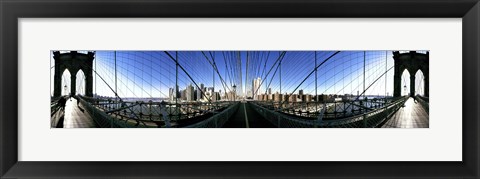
(411, 116)
(76, 116)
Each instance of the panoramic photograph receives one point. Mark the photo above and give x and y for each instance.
(239, 89)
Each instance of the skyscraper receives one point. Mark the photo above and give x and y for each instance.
(183, 94)
(195, 92)
(178, 92)
(256, 88)
(199, 92)
(189, 93)
(171, 94)
(301, 95)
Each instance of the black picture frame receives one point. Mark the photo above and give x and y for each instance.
(11, 10)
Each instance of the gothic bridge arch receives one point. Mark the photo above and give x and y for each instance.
(73, 62)
(411, 61)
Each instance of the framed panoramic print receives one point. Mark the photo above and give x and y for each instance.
(230, 89)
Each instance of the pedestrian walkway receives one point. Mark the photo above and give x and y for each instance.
(76, 116)
(412, 115)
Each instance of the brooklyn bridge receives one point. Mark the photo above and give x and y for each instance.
(239, 89)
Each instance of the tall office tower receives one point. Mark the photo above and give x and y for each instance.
(216, 96)
(199, 92)
(300, 95)
(189, 93)
(183, 94)
(195, 95)
(256, 88)
(171, 94)
(269, 90)
(178, 92)
(204, 93)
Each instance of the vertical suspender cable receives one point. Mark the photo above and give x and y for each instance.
(246, 77)
(385, 102)
(386, 56)
(213, 76)
(316, 95)
(115, 62)
(176, 82)
(280, 76)
(364, 120)
(116, 91)
(95, 75)
(364, 92)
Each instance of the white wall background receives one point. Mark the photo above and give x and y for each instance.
(441, 142)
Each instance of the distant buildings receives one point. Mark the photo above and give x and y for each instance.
(277, 97)
(230, 96)
(308, 98)
(183, 95)
(256, 88)
(189, 92)
(215, 96)
(292, 98)
(204, 94)
(199, 95)
(302, 97)
(172, 94)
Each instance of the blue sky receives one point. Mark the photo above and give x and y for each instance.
(150, 73)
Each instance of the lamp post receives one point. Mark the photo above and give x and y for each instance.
(65, 89)
(234, 92)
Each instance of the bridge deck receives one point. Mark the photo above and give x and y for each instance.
(246, 117)
(411, 116)
(76, 116)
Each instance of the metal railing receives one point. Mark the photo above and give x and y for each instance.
(369, 119)
(107, 112)
(104, 120)
(424, 101)
(334, 110)
(56, 113)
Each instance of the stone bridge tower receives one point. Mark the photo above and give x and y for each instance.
(412, 61)
(73, 62)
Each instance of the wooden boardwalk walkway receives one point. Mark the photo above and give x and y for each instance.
(75, 116)
(411, 116)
